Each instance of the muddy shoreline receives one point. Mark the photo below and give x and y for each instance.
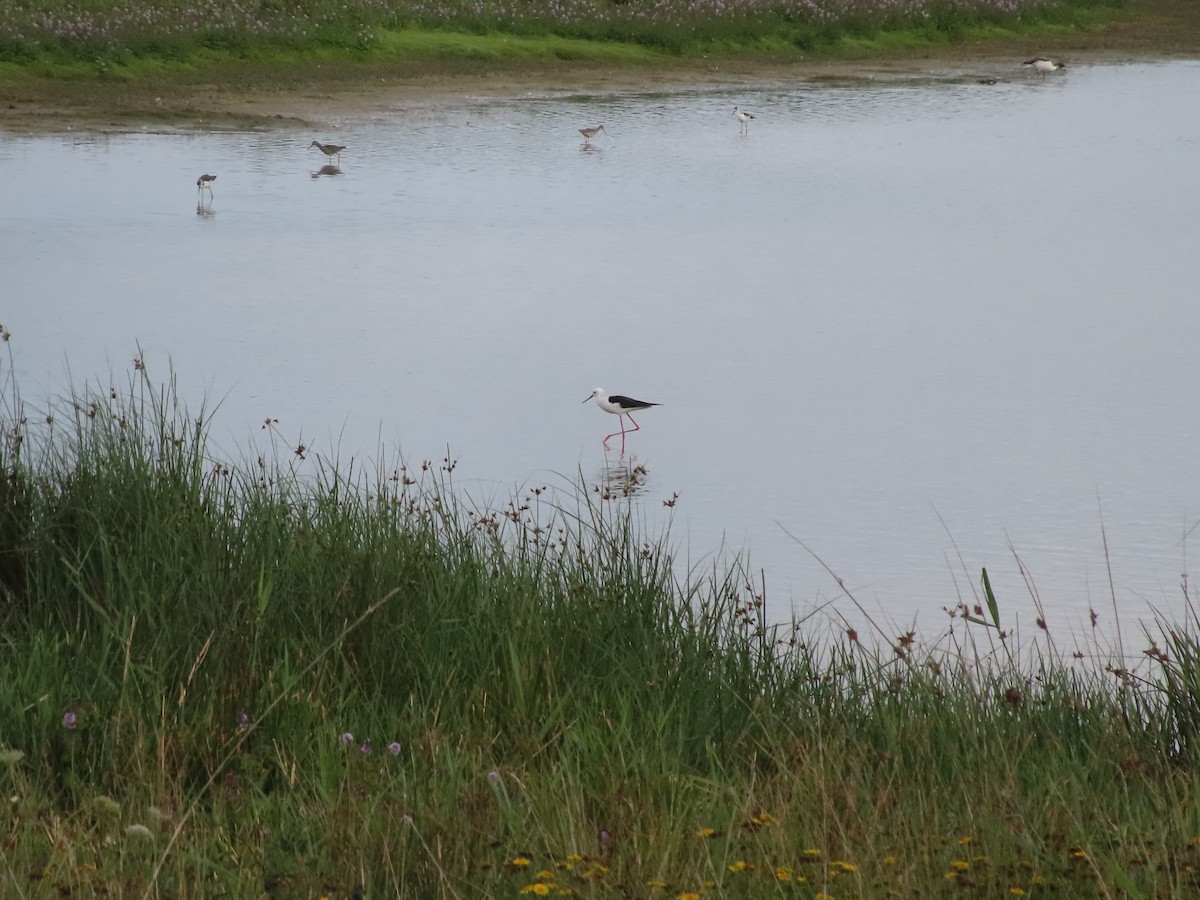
(327, 98)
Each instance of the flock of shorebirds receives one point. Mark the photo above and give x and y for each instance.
(1039, 64)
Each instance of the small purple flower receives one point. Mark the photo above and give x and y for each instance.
(70, 720)
(365, 748)
(347, 739)
(243, 721)
(494, 777)
(406, 819)
(394, 748)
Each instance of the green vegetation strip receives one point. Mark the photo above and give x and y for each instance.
(286, 677)
(119, 36)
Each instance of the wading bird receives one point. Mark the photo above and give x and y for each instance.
(621, 406)
(744, 117)
(589, 133)
(204, 183)
(1044, 66)
(329, 150)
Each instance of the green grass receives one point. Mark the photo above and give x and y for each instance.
(186, 639)
(128, 39)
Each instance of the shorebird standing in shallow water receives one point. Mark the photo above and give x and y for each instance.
(329, 150)
(1044, 66)
(744, 117)
(204, 183)
(589, 133)
(620, 406)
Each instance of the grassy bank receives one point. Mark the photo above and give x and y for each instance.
(278, 676)
(132, 37)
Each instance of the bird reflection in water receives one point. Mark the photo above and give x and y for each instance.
(204, 210)
(621, 477)
(327, 170)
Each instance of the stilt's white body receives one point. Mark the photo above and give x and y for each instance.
(1044, 66)
(621, 406)
(744, 117)
(204, 183)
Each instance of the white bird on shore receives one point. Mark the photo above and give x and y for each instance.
(744, 117)
(1044, 66)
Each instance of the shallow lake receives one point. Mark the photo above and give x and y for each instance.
(922, 326)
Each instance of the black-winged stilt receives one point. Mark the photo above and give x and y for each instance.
(1044, 66)
(589, 133)
(204, 183)
(744, 117)
(330, 150)
(618, 405)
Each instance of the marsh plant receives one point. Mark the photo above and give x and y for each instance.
(281, 675)
(110, 31)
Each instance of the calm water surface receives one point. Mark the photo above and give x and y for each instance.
(905, 322)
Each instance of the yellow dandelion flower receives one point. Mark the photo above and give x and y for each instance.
(740, 866)
(688, 895)
(709, 884)
(960, 865)
(520, 862)
(762, 818)
(965, 839)
(842, 866)
(545, 875)
(705, 832)
(537, 888)
(1039, 879)
(566, 892)
(657, 885)
(564, 866)
(812, 853)
(823, 896)
(889, 860)
(574, 857)
(782, 874)
(1078, 854)
(951, 875)
(981, 859)
(1017, 891)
